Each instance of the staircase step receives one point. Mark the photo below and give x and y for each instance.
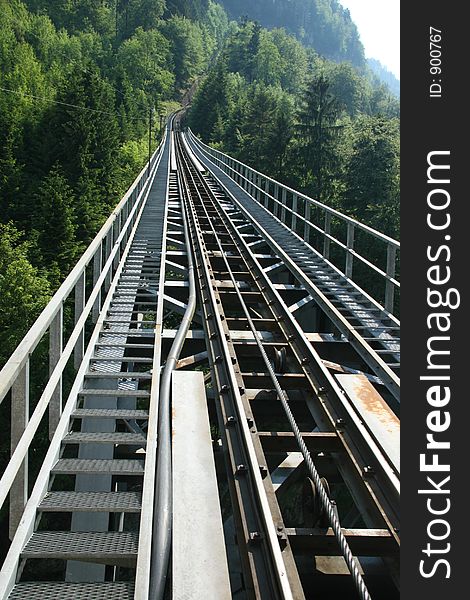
(104, 413)
(62, 590)
(130, 439)
(110, 547)
(128, 502)
(120, 393)
(72, 466)
(118, 375)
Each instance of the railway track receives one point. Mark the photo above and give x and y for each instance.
(274, 373)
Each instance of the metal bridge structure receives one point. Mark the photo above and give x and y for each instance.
(218, 382)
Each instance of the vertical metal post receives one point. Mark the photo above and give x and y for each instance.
(97, 261)
(150, 140)
(116, 232)
(107, 252)
(326, 241)
(307, 220)
(79, 349)
(55, 352)
(276, 195)
(283, 201)
(125, 216)
(295, 203)
(266, 190)
(19, 420)
(350, 246)
(389, 286)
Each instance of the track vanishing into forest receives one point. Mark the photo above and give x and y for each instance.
(232, 429)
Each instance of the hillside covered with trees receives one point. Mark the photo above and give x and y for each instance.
(77, 84)
(322, 127)
(321, 24)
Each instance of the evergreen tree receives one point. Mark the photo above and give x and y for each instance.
(372, 173)
(56, 223)
(317, 133)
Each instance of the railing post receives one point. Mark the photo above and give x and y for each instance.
(350, 246)
(283, 201)
(19, 420)
(107, 252)
(389, 286)
(295, 205)
(326, 240)
(115, 230)
(266, 193)
(97, 261)
(258, 188)
(79, 349)
(307, 221)
(276, 195)
(55, 352)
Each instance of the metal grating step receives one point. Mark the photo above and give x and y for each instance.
(61, 590)
(72, 466)
(112, 547)
(120, 393)
(118, 375)
(130, 439)
(105, 413)
(128, 502)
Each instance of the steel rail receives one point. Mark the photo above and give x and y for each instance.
(365, 350)
(162, 522)
(325, 501)
(271, 534)
(321, 373)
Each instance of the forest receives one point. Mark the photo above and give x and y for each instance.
(325, 128)
(82, 81)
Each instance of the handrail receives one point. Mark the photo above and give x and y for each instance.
(20, 355)
(251, 180)
(107, 247)
(374, 232)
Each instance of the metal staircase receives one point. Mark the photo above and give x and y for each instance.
(88, 514)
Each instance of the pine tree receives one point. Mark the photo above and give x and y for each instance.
(56, 222)
(317, 131)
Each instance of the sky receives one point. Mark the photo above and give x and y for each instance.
(378, 22)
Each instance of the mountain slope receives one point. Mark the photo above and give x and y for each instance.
(385, 76)
(322, 24)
